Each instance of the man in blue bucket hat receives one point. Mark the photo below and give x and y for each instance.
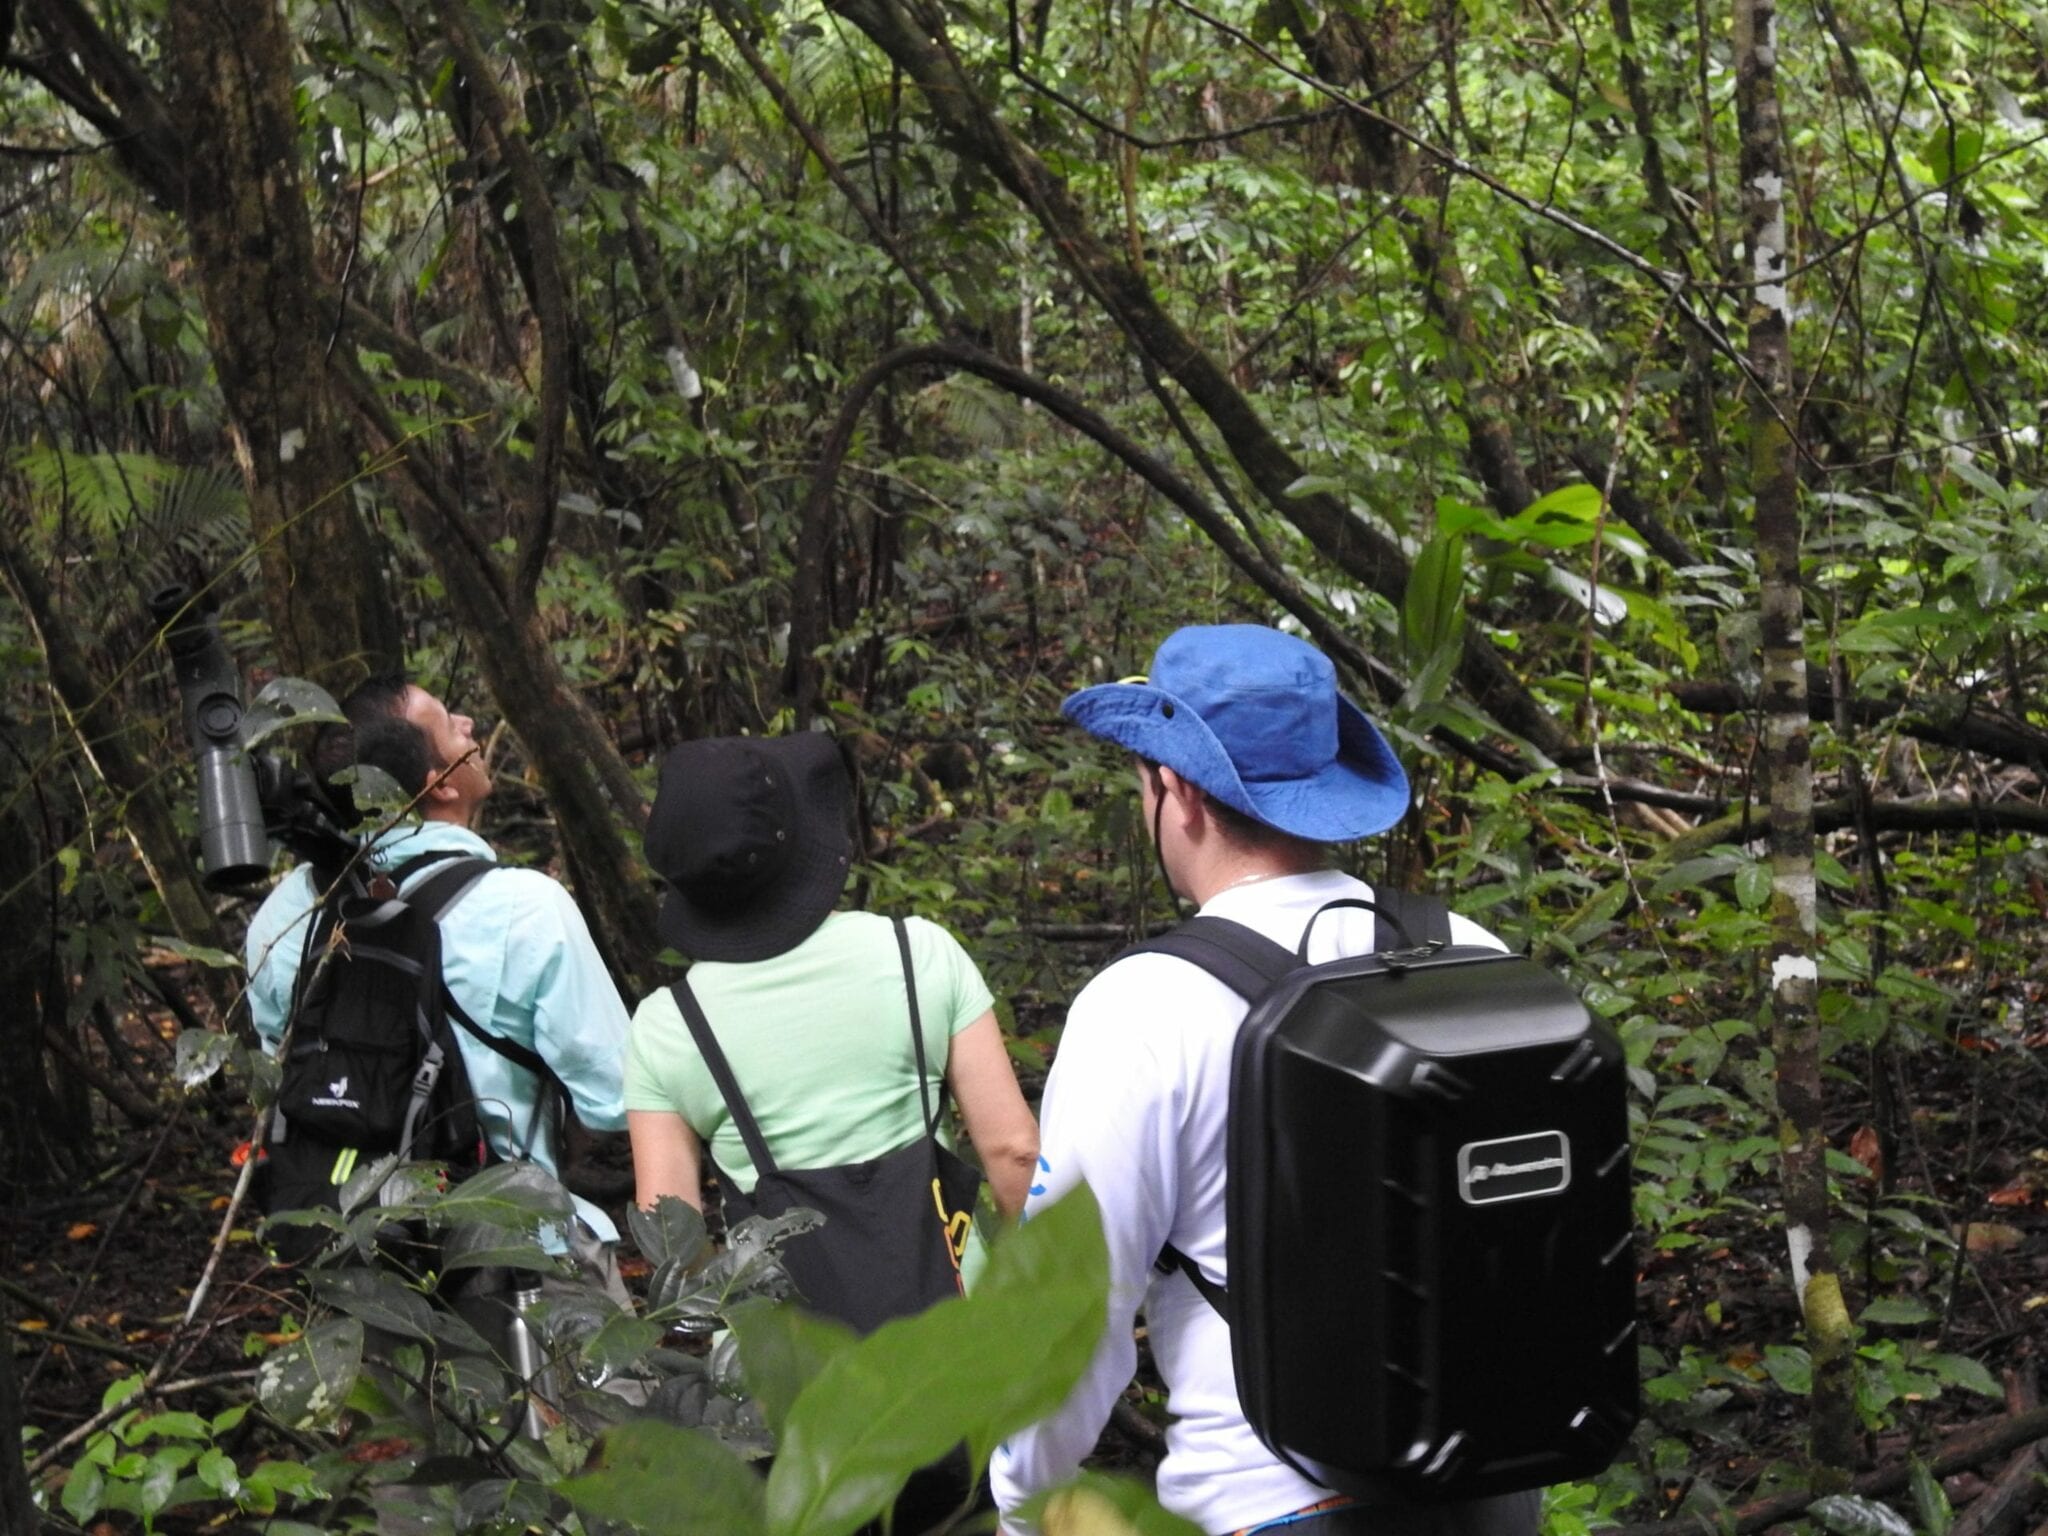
(1250, 764)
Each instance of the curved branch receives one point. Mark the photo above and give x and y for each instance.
(916, 41)
(109, 89)
(809, 609)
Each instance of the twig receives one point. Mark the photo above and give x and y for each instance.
(1977, 1444)
(1673, 283)
(1991, 1507)
(62, 1320)
(50, 1337)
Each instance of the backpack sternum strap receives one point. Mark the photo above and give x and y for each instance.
(423, 1082)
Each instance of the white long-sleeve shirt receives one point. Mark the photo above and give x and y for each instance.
(1137, 1105)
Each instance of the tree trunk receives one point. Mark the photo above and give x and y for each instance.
(39, 1134)
(588, 785)
(95, 718)
(17, 1509)
(1795, 1023)
(252, 244)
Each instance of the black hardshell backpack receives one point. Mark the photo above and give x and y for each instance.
(372, 1066)
(1429, 1235)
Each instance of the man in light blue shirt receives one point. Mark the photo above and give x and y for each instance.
(515, 951)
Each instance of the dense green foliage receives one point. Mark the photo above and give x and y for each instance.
(1476, 269)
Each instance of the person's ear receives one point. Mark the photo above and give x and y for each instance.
(1184, 800)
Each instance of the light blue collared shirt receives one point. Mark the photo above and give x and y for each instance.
(518, 958)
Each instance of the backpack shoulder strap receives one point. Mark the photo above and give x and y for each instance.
(1423, 918)
(439, 892)
(721, 1074)
(436, 897)
(1242, 959)
(1171, 1258)
(1248, 963)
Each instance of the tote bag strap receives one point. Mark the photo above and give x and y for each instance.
(932, 1112)
(721, 1074)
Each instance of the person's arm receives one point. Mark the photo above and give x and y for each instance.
(992, 1108)
(667, 1159)
(579, 1024)
(272, 952)
(1109, 1118)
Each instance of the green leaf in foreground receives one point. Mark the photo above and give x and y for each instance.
(307, 1380)
(673, 1231)
(973, 1369)
(782, 1349)
(1931, 1503)
(668, 1481)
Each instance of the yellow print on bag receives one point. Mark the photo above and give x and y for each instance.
(955, 1224)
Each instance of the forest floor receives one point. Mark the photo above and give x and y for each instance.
(97, 1278)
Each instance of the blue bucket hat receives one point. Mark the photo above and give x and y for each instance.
(1254, 717)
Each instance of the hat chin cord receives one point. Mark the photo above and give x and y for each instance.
(1158, 851)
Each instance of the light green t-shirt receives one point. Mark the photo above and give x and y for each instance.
(818, 1039)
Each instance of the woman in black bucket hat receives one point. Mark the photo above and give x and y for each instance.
(811, 1050)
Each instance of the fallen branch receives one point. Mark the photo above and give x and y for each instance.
(1916, 816)
(50, 1337)
(1952, 722)
(1975, 1445)
(2002, 1500)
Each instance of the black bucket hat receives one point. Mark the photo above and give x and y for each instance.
(752, 836)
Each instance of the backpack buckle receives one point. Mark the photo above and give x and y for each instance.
(1398, 960)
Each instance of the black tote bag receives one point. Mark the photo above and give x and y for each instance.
(895, 1226)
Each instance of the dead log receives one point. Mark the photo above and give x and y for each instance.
(1973, 1447)
(1963, 723)
(2004, 1501)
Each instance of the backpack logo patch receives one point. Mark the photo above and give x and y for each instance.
(1514, 1168)
(337, 1095)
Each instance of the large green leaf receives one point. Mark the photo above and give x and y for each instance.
(1433, 608)
(667, 1481)
(782, 1348)
(673, 1232)
(378, 1298)
(514, 1195)
(306, 1381)
(972, 1370)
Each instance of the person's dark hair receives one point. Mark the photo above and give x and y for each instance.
(377, 734)
(1237, 828)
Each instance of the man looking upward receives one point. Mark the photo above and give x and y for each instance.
(516, 954)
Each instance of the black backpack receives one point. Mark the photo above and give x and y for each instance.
(1429, 1232)
(372, 1066)
(895, 1226)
